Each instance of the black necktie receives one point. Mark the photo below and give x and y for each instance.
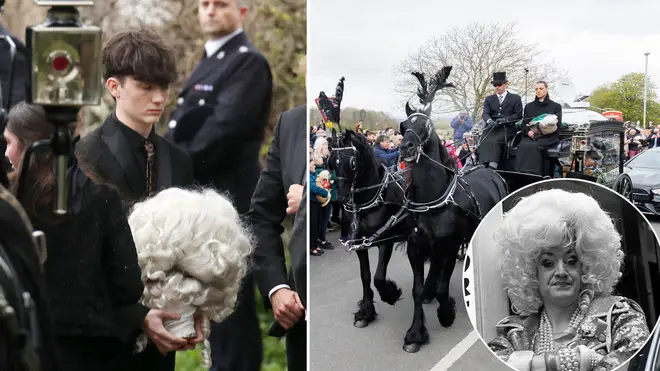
(151, 186)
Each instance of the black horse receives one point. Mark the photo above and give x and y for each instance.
(371, 196)
(447, 207)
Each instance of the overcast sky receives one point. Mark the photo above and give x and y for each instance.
(596, 41)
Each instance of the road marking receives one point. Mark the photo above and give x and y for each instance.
(456, 352)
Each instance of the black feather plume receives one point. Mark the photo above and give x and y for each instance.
(422, 91)
(438, 82)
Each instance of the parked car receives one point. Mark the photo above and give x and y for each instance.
(644, 171)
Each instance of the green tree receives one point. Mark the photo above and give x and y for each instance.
(627, 95)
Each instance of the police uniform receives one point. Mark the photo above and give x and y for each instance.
(220, 119)
(494, 138)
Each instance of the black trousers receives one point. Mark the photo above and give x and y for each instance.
(150, 359)
(236, 342)
(296, 347)
(531, 154)
(315, 215)
(81, 353)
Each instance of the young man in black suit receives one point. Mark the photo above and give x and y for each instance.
(280, 192)
(501, 111)
(220, 119)
(127, 153)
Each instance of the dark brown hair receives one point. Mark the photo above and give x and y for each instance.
(542, 82)
(28, 123)
(141, 55)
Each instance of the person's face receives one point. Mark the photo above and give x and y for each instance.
(14, 151)
(219, 18)
(371, 138)
(541, 91)
(559, 272)
(324, 149)
(392, 145)
(313, 129)
(141, 102)
(390, 132)
(500, 89)
(399, 138)
(384, 144)
(320, 134)
(633, 132)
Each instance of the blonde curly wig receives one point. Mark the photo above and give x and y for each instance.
(193, 249)
(550, 219)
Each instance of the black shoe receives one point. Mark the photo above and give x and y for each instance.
(327, 246)
(330, 227)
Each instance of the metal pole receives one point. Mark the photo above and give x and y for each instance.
(646, 71)
(526, 84)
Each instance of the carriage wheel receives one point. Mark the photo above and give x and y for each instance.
(623, 186)
(462, 250)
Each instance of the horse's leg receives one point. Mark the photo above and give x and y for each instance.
(431, 283)
(366, 312)
(389, 292)
(447, 305)
(417, 334)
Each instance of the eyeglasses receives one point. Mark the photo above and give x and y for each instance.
(496, 85)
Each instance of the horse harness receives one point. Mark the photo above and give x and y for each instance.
(353, 208)
(447, 198)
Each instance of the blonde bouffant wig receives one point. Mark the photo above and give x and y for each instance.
(193, 249)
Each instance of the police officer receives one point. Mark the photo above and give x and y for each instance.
(501, 110)
(221, 116)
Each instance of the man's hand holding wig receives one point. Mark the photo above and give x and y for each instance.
(193, 251)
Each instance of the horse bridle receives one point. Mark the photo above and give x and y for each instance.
(353, 208)
(429, 128)
(447, 198)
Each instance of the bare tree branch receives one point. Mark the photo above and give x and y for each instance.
(476, 52)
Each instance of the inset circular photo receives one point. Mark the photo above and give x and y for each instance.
(563, 275)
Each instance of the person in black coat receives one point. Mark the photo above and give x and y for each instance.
(501, 111)
(279, 192)
(530, 153)
(220, 119)
(127, 153)
(91, 266)
(12, 81)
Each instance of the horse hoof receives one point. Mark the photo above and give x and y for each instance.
(411, 348)
(361, 323)
(428, 300)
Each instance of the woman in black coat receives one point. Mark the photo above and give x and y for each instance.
(91, 265)
(529, 156)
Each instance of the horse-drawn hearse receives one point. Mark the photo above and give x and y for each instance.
(591, 147)
(435, 208)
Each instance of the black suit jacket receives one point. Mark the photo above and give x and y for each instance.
(221, 115)
(106, 153)
(285, 166)
(510, 110)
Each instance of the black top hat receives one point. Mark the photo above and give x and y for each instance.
(499, 78)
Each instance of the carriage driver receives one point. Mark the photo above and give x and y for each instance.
(500, 109)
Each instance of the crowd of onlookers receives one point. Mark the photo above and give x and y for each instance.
(638, 139)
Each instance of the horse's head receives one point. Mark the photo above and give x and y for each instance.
(347, 159)
(418, 126)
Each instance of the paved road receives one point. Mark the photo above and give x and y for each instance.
(335, 344)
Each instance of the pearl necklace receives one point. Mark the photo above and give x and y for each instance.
(546, 335)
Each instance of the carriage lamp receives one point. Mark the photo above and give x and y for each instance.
(65, 61)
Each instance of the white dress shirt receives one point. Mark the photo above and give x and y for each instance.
(212, 46)
(502, 97)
